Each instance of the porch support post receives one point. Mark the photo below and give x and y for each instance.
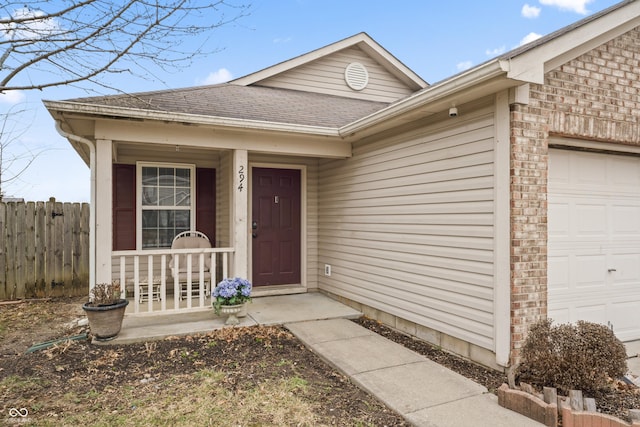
(240, 200)
(104, 208)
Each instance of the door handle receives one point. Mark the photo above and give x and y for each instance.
(611, 270)
(254, 235)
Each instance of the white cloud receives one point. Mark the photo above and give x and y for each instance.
(12, 97)
(529, 38)
(32, 29)
(221, 76)
(465, 65)
(530, 11)
(577, 6)
(495, 52)
(282, 40)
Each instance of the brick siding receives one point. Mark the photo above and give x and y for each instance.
(594, 97)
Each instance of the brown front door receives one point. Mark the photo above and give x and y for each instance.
(276, 226)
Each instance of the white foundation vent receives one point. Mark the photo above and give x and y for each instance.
(356, 76)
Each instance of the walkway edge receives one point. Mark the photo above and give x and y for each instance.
(422, 391)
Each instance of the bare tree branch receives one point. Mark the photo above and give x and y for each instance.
(47, 44)
(81, 40)
(15, 158)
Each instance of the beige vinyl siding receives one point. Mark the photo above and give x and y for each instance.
(310, 238)
(407, 226)
(326, 75)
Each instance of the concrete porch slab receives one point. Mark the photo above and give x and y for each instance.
(272, 310)
(278, 310)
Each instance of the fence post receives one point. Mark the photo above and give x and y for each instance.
(11, 250)
(4, 291)
(67, 248)
(30, 249)
(84, 249)
(40, 237)
(576, 401)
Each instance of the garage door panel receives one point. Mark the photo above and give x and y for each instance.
(559, 163)
(558, 277)
(591, 220)
(559, 228)
(594, 312)
(626, 317)
(627, 268)
(625, 221)
(589, 271)
(624, 173)
(559, 314)
(586, 170)
(594, 227)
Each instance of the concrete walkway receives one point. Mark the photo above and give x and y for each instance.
(422, 391)
(425, 393)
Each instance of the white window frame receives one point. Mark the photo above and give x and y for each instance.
(139, 208)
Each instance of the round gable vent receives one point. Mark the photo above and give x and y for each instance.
(356, 76)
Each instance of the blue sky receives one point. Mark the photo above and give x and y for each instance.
(436, 39)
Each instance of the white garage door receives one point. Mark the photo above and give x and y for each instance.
(594, 240)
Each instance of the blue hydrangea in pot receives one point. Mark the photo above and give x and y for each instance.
(229, 297)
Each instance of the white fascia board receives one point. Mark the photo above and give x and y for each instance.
(532, 64)
(363, 40)
(102, 111)
(393, 65)
(531, 71)
(298, 61)
(159, 133)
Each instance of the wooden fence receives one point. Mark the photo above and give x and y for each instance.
(44, 250)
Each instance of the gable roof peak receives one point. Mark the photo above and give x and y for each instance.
(361, 40)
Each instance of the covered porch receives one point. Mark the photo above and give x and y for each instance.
(147, 190)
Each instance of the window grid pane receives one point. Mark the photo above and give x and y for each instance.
(166, 203)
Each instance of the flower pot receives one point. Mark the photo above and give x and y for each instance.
(105, 321)
(243, 311)
(231, 311)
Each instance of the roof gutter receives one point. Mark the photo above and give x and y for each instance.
(437, 92)
(110, 112)
(92, 201)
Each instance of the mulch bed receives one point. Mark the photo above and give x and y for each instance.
(617, 401)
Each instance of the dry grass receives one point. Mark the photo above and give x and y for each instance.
(200, 399)
(230, 377)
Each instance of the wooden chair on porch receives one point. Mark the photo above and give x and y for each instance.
(191, 240)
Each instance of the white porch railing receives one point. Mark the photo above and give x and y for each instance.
(164, 292)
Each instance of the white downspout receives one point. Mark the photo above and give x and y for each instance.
(92, 200)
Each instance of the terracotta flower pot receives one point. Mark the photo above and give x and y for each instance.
(105, 321)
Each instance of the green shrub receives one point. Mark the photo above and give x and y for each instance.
(571, 357)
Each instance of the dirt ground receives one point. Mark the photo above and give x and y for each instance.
(255, 376)
(232, 368)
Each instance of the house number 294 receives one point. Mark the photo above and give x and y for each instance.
(241, 178)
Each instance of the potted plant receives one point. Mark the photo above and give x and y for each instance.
(229, 297)
(105, 310)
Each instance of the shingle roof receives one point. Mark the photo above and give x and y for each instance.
(249, 103)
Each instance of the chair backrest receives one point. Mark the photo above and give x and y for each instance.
(190, 240)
